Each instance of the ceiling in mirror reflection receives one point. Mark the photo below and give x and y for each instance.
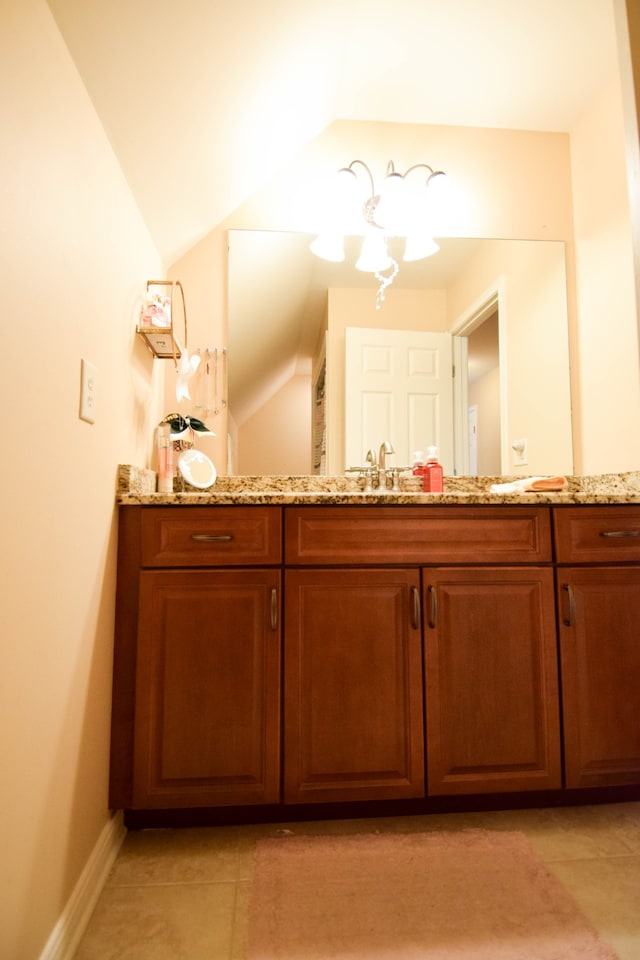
(278, 295)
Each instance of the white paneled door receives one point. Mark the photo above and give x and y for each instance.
(399, 387)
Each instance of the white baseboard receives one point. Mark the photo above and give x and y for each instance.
(68, 931)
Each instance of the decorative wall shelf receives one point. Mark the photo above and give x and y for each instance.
(157, 324)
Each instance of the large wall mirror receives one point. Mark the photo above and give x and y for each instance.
(503, 303)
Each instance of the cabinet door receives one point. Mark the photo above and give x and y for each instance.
(491, 680)
(207, 726)
(353, 721)
(600, 665)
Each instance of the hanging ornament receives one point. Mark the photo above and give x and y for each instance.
(186, 369)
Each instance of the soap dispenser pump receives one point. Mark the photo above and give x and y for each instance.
(433, 473)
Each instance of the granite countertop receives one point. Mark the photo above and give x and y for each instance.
(137, 486)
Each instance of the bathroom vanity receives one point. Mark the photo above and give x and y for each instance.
(303, 652)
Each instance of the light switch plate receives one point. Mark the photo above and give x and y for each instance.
(88, 386)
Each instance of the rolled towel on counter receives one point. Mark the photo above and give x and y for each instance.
(531, 485)
(548, 484)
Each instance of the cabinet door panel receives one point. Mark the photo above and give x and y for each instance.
(491, 681)
(600, 665)
(207, 724)
(353, 686)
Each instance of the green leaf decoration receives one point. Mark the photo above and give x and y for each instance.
(179, 424)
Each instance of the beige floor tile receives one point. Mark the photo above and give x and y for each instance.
(626, 818)
(608, 892)
(240, 926)
(569, 833)
(177, 856)
(166, 922)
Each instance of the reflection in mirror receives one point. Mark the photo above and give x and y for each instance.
(483, 377)
(503, 303)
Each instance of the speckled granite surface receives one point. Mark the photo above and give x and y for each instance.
(137, 486)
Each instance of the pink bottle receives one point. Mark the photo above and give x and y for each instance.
(418, 464)
(433, 473)
(164, 448)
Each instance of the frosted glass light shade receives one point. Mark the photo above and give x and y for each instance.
(374, 256)
(329, 246)
(418, 246)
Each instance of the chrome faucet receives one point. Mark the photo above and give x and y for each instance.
(375, 473)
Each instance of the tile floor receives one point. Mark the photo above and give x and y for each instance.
(183, 894)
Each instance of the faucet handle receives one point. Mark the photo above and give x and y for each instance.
(395, 479)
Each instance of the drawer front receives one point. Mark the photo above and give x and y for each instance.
(210, 536)
(597, 534)
(417, 535)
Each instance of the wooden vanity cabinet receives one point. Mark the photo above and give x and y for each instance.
(354, 714)
(598, 585)
(308, 654)
(196, 719)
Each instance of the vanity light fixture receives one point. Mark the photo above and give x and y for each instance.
(401, 208)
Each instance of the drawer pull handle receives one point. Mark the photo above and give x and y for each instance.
(415, 608)
(568, 621)
(620, 533)
(274, 609)
(208, 537)
(433, 607)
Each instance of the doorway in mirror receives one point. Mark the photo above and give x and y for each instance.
(483, 377)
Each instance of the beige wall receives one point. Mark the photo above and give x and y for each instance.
(484, 393)
(627, 20)
(607, 315)
(75, 257)
(291, 405)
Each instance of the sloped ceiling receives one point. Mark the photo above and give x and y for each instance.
(204, 100)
